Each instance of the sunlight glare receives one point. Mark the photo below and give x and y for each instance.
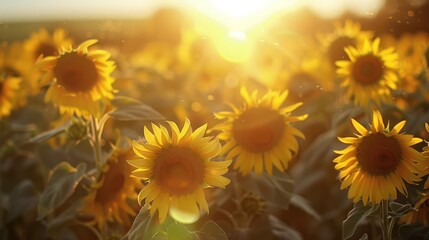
(367, 8)
(234, 47)
(242, 14)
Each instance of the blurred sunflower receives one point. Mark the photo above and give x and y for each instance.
(421, 215)
(306, 78)
(41, 44)
(9, 86)
(177, 168)
(377, 161)
(81, 78)
(426, 154)
(260, 134)
(349, 34)
(411, 50)
(110, 196)
(370, 75)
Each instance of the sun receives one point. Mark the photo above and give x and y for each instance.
(378, 161)
(260, 134)
(79, 79)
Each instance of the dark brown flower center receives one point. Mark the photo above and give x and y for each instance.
(367, 70)
(113, 183)
(1, 88)
(76, 73)
(336, 49)
(45, 49)
(114, 180)
(258, 130)
(178, 170)
(378, 154)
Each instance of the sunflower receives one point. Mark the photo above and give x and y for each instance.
(110, 196)
(81, 78)
(177, 168)
(40, 44)
(260, 134)
(426, 154)
(349, 34)
(378, 161)
(9, 86)
(421, 215)
(370, 74)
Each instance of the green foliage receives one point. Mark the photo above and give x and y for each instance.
(414, 232)
(398, 209)
(133, 110)
(146, 227)
(356, 216)
(61, 184)
(22, 200)
(50, 133)
(276, 189)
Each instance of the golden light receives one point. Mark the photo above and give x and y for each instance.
(241, 15)
(328, 8)
(234, 47)
(366, 8)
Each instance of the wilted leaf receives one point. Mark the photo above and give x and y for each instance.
(62, 182)
(211, 231)
(398, 209)
(364, 237)
(22, 199)
(50, 133)
(357, 215)
(136, 112)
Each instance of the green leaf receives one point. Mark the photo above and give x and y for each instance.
(22, 198)
(283, 231)
(413, 232)
(211, 231)
(138, 229)
(50, 133)
(61, 184)
(177, 231)
(136, 112)
(67, 215)
(276, 189)
(398, 209)
(304, 204)
(357, 215)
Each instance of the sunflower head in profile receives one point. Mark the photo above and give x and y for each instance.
(111, 196)
(421, 215)
(177, 167)
(349, 34)
(378, 161)
(260, 134)
(80, 79)
(370, 74)
(9, 86)
(41, 43)
(426, 154)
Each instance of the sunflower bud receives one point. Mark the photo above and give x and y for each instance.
(77, 131)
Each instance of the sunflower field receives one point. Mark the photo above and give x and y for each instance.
(178, 126)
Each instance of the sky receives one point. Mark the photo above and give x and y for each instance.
(33, 10)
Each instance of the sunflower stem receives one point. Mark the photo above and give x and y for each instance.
(385, 228)
(96, 139)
